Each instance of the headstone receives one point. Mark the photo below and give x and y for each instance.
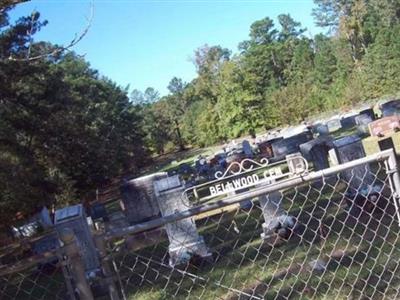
(321, 129)
(384, 126)
(350, 148)
(139, 198)
(184, 240)
(248, 152)
(390, 108)
(348, 120)
(265, 147)
(290, 145)
(98, 211)
(334, 161)
(272, 211)
(275, 217)
(74, 218)
(369, 112)
(362, 122)
(296, 163)
(334, 125)
(385, 134)
(45, 219)
(317, 151)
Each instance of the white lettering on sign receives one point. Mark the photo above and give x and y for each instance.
(233, 185)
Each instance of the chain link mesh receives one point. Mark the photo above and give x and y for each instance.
(25, 275)
(336, 237)
(343, 244)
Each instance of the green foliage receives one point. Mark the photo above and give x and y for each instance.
(282, 77)
(64, 130)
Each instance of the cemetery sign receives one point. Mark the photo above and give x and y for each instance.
(239, 177)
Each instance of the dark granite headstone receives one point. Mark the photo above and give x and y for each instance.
(317, 151)
(321, 129)
(369, 112)
(348, 121)
(139, 198)
(390, 108)
(98, 211)
(248, 152)
(290, 145)
(350, 148)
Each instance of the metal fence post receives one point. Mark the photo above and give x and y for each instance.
(67, 276)
(394, 181)
(77, 267)
(106, 268)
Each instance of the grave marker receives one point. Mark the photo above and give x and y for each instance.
(74, 218)
(317, 152)
(247, 148)
(290, 145)
(348, 120)
(384, 135)
(390, 108)
(350, 148)
(139, 198)
(362, 122)
(334, 125)
(184, 240)
(321, 129)
(384, 126)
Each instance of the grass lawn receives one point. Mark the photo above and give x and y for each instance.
(170, 161)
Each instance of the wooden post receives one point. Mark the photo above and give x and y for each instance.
(105, 266)
(72, 251)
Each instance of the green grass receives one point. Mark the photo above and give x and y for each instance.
(171, 161)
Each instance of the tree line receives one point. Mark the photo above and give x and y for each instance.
(279, 75)
(66, 130)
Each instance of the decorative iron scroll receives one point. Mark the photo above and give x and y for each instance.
(242, 167)
(247, 174)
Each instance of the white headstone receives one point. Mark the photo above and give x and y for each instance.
(334, 124)
(184, 240)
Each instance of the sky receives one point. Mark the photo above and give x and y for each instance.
(145, 43)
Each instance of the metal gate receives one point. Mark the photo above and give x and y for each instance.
(325, 234)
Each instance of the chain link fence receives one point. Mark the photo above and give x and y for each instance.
(332, 236)
(329, 234)
(27, 274)
(45, 267)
